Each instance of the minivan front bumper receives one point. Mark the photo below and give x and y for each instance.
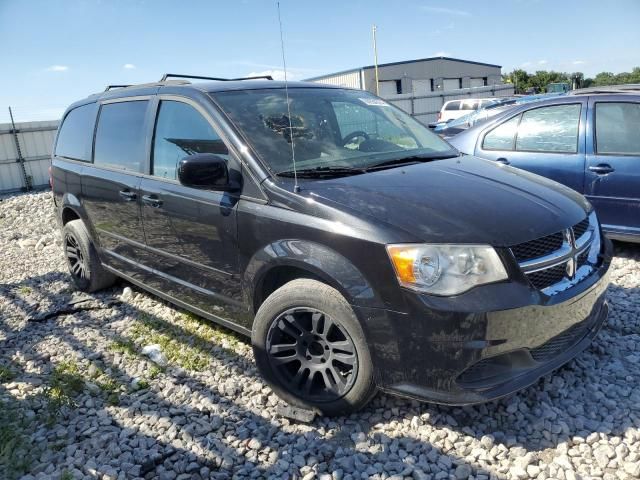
(454, 351)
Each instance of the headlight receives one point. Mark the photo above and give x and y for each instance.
(445, 269)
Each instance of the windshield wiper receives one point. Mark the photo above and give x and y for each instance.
(411, 160)
(322, 172)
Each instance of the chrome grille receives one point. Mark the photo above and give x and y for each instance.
(558, 261)
(580, 229)
(549, 276)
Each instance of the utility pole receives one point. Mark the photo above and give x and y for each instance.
(375, 58)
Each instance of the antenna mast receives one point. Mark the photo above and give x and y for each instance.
(375, 57)
(296, 187)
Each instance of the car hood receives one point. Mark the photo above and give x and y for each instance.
(459, 200)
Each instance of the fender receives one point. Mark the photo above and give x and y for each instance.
(70, 201)
(317, 259)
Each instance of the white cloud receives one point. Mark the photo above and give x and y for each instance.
(128, 66)
(579, 62)
(57, 68)
(446, 11)
(525, 64)
(542, 62)
(441, 54)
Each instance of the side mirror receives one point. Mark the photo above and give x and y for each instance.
(206, 171)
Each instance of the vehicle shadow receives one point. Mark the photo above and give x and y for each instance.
(216, 433)
(597, 393)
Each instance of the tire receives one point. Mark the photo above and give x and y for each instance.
(85, 268)
(329, 371)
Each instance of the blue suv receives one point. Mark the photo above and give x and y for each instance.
(589, 142)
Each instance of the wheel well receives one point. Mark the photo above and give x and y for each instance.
(275, 278)
(68, 215)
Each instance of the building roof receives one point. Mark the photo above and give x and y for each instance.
(404, 62)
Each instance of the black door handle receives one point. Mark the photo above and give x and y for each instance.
(602, 168)
(503, 161)
(128, 195)
(152, 201)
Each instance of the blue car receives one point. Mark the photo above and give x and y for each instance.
(589, 142)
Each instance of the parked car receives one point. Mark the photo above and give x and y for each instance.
(590, 143)
(558, 87)
(499, 105)
(356, 249)
(457, 108)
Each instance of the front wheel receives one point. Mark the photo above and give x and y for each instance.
(310, 348)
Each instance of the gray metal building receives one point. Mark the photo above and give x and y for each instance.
(25, 154)
(418, 77)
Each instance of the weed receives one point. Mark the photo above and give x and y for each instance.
(125, 347)
(143, 384)
(15, 450)
(113, 399)
(149, 331)
(25, 290)
(154, 372)
(6, 374)
(66, 475)
(65, 383)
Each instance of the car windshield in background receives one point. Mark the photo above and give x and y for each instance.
(333, 130)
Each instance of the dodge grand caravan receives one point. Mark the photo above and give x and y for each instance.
(359, 251)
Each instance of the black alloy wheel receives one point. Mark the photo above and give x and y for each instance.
(77, 264)
(312, 355)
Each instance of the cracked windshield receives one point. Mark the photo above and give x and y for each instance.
(331, 128)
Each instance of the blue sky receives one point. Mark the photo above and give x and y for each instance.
(54, 52)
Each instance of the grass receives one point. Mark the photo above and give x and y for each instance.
(150, 331)
(15, 449)
(154, 372)
(65, 384)
(6, 374)
(125, 347)
(25, 290)
(66, 475)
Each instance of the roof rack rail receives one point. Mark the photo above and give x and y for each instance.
(199, 77)
(109, 87)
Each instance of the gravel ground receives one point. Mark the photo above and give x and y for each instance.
(78, 399)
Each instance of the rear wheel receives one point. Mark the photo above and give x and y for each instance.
(309, 346)
(85, 268)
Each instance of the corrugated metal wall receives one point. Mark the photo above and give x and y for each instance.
(36, 142)
(348, 79)
(425, 108)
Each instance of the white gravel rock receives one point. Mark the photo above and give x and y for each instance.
(212, 416)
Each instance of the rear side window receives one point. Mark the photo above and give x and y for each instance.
(120, 135)
(76, 133)
(549, 129)
(617, 128)
(502, 137)
(469, 105)
(180, 131)
(452, 106)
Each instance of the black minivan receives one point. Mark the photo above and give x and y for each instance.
(359, 251)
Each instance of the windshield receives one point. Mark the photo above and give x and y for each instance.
(331, 128)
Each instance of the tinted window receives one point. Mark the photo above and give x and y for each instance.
(452, 106)
(617, 128)
(76, 133)
(181, 131)
(502, 137)
(120, 135)
(549, 129)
